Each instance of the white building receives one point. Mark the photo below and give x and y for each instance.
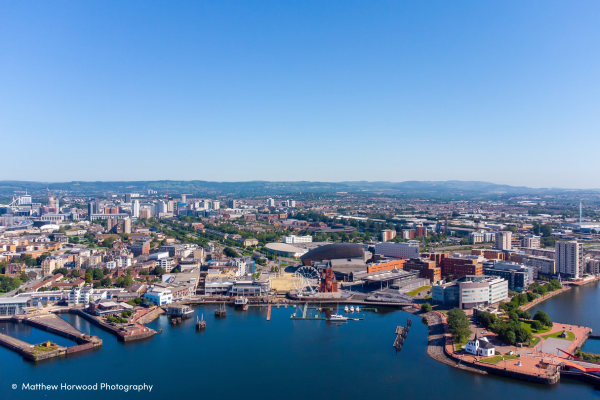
(159, 296)
(297, 239)
(397, 250)
(489, 237)
(79, 296)
(504, 240)
(111, 264)
(136, 209)
(476, 237)
(569, 258)
(471, 291)
(291, 203)
(532, 242)
(270, 202)
(166, 263)
(480, 347)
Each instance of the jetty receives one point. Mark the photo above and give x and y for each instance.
(269, 313)
(401, 333)
(46, 350)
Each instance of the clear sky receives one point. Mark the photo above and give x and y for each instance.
(499, 91)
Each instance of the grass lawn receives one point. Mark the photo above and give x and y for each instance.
(527, 326)
(534, 341)
(459, 346)
(570, 336)
(414, 292)
(497, 359)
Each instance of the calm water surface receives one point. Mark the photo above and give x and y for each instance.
(245, 356)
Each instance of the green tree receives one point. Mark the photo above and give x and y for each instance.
(88, 277)
(97, 274)
(458, 324)
(106, 282)
(229, 252)
(63, 271)
(127, 280)
(426, 307)
(108, 242)
(511, 338)
(537, 325)
(543, 318)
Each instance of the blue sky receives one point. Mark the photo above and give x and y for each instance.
(499, 91)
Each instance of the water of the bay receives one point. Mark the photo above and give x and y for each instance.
(246, 356)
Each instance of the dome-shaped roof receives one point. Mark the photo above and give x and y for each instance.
(334, 251)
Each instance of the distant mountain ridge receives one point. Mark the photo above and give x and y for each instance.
(277, 187)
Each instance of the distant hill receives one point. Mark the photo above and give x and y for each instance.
(413, 188)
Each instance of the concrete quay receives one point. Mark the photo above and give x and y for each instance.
(124, 333)
(53, 324)
(508, 369)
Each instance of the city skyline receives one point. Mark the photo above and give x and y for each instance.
(495, 92)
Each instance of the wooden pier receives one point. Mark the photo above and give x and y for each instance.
(401, 333)
(269, 313)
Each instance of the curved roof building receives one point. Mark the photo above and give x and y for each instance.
(334, 251)
(285, 250)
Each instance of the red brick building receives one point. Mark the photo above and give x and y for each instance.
(426, 267)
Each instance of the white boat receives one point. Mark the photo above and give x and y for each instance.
(346, 308)
(337, 317)
(357, 309)
(240, 301)
(351, 308)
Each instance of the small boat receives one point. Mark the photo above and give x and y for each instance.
(357, 309)
(351, 308)
(346, 309)
(245, 308)
(338, 318)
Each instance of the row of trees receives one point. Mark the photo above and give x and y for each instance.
(8, 283)
(510, 330)
(544, 289)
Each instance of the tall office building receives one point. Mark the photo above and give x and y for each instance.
(161, 207)
(127, 198)
(503, 240)
(136, 209)
(232, 203)
(569, 258)
(183, 198)
(215, 205)
(170, 206)
(270, 202)
(387, 234)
